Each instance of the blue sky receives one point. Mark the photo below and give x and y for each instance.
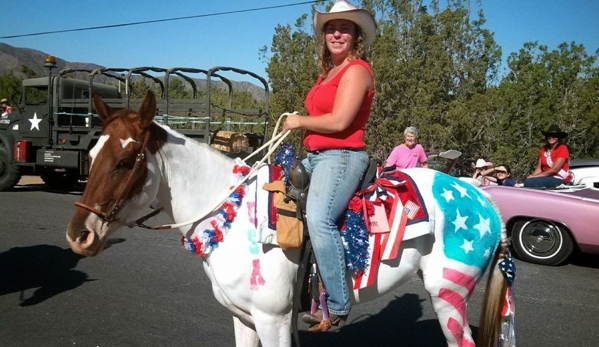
(235, 39)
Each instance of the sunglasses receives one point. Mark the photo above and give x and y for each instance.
(501, 172)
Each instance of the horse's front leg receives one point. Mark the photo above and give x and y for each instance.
(274, 330)
(245, 336)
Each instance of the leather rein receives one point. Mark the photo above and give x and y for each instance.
(109, 216)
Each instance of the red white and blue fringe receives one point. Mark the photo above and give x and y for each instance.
(207, 240)
(508, 324)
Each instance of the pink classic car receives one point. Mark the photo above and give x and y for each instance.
(547, 226)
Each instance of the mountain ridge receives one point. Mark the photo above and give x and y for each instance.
(20, 59)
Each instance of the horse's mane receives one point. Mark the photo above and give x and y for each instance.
(195, 147)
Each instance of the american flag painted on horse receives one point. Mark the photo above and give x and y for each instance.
(468, 243)
(467, 240)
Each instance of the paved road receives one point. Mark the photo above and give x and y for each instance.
(144, 290)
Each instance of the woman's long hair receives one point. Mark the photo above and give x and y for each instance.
(325, 60)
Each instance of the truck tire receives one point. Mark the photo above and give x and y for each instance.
(59, 180)
(10, 173)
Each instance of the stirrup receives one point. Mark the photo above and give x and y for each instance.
(318, 323)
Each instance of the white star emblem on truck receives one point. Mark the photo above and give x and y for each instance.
(35, 122)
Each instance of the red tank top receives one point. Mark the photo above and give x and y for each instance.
(320, 101)
(549, 157)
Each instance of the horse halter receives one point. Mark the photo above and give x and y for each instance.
(109, 216)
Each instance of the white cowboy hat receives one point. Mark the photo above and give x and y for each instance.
(481, 163)
(344, 10)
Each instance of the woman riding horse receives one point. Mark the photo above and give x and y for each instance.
(339, 107)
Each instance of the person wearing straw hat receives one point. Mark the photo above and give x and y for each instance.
(339, 106)
(480, 166)
(554, 161)
(5, 108)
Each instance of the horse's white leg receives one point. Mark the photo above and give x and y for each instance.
(245, 336)
(450, 291)
(274, 330)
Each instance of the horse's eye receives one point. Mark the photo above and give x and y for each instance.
(124, 164)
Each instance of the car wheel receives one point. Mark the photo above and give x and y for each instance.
(541, 241)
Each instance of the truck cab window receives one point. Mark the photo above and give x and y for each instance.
(36, 96)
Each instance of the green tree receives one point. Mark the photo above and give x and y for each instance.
(544, 87)
(11, 88)
(430, 63)
(177, 89)
(28, 71)
(291, 69)
(438, 69)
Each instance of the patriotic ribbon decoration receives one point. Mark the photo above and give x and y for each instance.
(379, 189)
(285, 157)
(379, 246)
(204, 242)
(508, 267)
(355, 237)
(507, 337)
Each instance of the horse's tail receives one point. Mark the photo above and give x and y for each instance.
(495, 293)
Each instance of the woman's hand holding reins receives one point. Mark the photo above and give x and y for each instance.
(293, 121)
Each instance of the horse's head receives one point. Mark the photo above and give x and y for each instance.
(120, 167)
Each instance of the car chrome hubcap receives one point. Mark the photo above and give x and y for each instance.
(541, 238)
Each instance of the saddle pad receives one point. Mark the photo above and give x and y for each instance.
(397, 189)
(399, 195)
(411, 199)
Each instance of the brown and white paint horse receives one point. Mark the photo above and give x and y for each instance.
(137, 161)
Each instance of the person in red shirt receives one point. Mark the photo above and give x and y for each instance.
(339, 106)
(554, 161)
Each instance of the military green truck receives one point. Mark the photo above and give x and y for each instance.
(55, 125)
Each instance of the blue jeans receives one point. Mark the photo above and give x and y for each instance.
(542, 182)
(336, 174)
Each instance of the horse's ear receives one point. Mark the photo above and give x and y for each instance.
(104, 111)
(147, 111)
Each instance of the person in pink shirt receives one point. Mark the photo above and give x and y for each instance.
(408, 154)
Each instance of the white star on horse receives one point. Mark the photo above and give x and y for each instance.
(462, 190)
(467, 246)
(460, 222)
(447, 194)
(483, 226)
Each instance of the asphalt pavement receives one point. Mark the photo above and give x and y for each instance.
(144, 290)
